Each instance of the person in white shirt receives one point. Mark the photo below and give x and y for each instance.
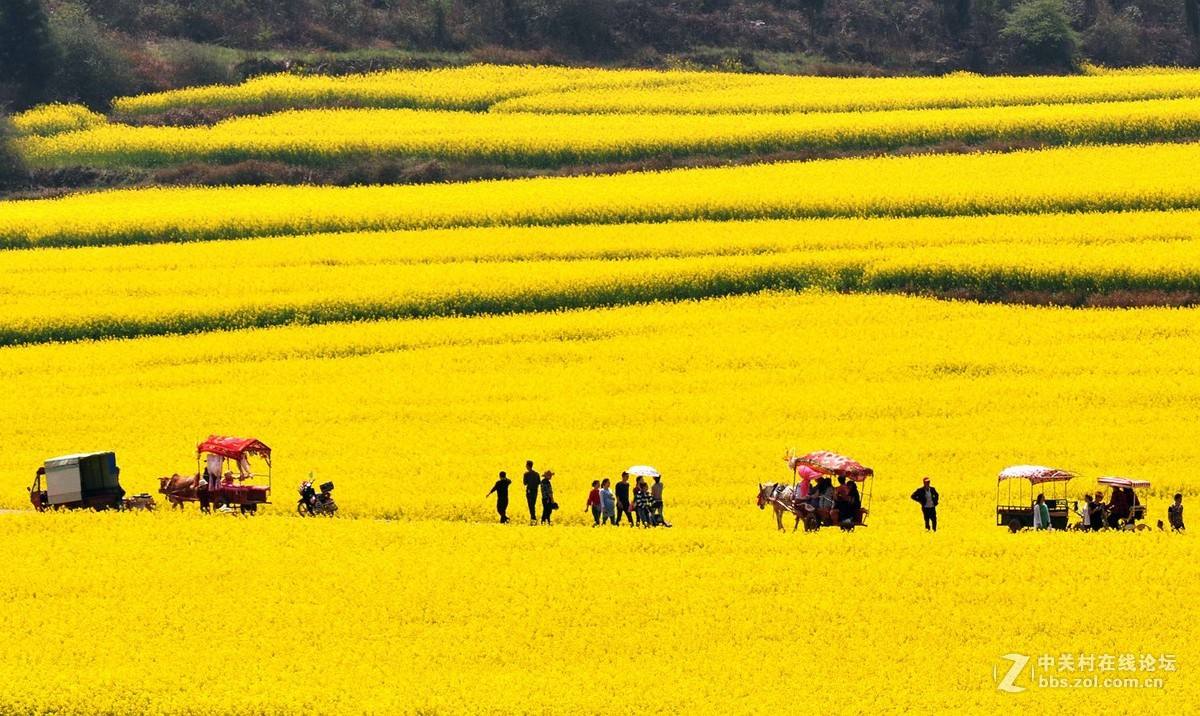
(1086, 513)
(1041, 513)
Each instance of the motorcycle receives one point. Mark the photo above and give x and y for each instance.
(313, 503)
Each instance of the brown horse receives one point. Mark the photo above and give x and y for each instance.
(180, 488)
(783, 499)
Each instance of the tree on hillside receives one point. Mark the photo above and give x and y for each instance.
(27, 52)
(1039, 34)
(92, 70)
(1112, 39)
(12, 169)
(1191, 11)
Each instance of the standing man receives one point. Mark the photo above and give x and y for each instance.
(623, 499)
(656, 503)
(927, 497)
(532, 481)
(501, 490)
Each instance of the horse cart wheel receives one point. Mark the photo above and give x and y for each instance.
(812, 522)
(249, 509)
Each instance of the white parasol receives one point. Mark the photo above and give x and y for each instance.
(643, 471)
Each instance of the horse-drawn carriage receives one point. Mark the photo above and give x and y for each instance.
(1016, 511)
(216, 485)
(813, 499)
(83, 481)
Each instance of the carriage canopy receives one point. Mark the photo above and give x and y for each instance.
(830, 463)
(1123, 482)
(1036, 474)
(234, 448)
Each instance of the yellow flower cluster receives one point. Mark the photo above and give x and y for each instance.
(324, 137)
(1068, 179)
(50, 119)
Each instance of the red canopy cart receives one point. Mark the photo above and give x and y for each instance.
(216, 459)
(223, 467)
(819, 511)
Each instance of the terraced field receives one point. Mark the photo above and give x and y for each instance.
(408, 342)
(325, 137)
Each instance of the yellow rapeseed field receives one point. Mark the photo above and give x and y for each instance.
(1153, 176)
(439, 611)
(558, 89)
(409, 342)
(475, 87)
(325, 137)
(721, 92)
(65, 294)
(386, 408)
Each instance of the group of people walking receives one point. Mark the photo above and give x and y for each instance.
(641, 504)
(644, 508)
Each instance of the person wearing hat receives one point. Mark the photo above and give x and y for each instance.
(548, 503)
(927, 497)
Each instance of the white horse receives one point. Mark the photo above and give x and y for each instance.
(783, 498)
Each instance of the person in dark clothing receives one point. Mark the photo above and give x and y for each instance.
(855, 500)
(532, 481)
(1099, 510)
(548, 503)
(1119, 508)
(927, 497)
(623, 503)
(1135, 505)
(843, 503)
(501, 490)
(1175, 513)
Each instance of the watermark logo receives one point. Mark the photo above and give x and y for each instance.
(1019, 672)
(1008, 684)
